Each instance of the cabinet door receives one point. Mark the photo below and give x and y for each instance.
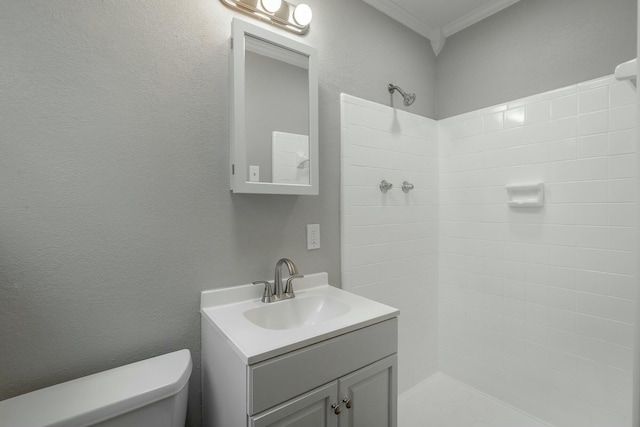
(312, 409)
(368, 397)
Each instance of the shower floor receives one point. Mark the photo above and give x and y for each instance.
(441, 401)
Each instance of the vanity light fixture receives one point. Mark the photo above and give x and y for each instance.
(302, 14)
(277, 12)
(271, 6)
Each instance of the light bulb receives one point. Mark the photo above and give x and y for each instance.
(302, 14)
(271, 6)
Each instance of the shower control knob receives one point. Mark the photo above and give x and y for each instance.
(385, 186)
(336, 408)
(406, 187)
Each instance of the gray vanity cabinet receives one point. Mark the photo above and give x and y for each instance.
(365, 398)
(349, 380)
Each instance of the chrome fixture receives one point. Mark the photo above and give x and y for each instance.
(304, 163)
(277, 293)
(288, 289)
(277, 12)
(409, 98)
(277, 281)
(385, 186)
(407, 186)
(267, 296)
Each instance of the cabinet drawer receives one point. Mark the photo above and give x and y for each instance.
(279, 379)
(309, 410)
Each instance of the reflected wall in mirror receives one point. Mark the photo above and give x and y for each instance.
(274, 144)
(277, 108)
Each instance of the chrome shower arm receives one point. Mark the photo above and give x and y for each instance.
(393, 87)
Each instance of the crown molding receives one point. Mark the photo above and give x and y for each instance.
(476, 16)
(399, 14)
(437, 43)
(438, 35)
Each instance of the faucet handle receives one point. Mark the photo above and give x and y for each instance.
(288, 289)
(267, 296)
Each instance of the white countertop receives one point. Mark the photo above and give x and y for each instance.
(224, 308)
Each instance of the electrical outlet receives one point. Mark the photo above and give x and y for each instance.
(254, 173)
(313, 236)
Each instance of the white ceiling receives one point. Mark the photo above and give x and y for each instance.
(438, 19)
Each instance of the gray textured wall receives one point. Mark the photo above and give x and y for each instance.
(532, 47)
(114, 203)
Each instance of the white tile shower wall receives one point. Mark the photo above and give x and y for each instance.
(390, 240)
(536, 304)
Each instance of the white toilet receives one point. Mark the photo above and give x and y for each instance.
(149, 393)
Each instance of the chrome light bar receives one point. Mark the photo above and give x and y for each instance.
(281, 13)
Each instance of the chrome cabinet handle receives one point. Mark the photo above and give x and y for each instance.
(407, 186)
(347, 402)
(336, 408)
(267, 296)
(385, 186)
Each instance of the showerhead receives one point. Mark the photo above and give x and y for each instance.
(409, 98)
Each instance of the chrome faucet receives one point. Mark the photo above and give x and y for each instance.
(287, 292)
(277, 293)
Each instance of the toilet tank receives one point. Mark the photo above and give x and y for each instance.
(149, 393)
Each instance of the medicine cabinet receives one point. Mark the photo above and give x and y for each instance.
(274, 113)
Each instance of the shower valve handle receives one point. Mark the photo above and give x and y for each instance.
(407, 186)
(385, 186)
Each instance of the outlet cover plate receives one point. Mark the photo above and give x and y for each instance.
(254, 173)
(313, 236)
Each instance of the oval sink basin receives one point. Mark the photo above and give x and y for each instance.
(296, 312)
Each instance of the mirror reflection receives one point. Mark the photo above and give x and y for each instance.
(277, 114)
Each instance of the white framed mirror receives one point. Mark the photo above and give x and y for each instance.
(274, 113)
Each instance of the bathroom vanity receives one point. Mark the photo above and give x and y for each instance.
(325, 358)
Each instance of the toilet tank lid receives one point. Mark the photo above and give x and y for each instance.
(98, 397)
